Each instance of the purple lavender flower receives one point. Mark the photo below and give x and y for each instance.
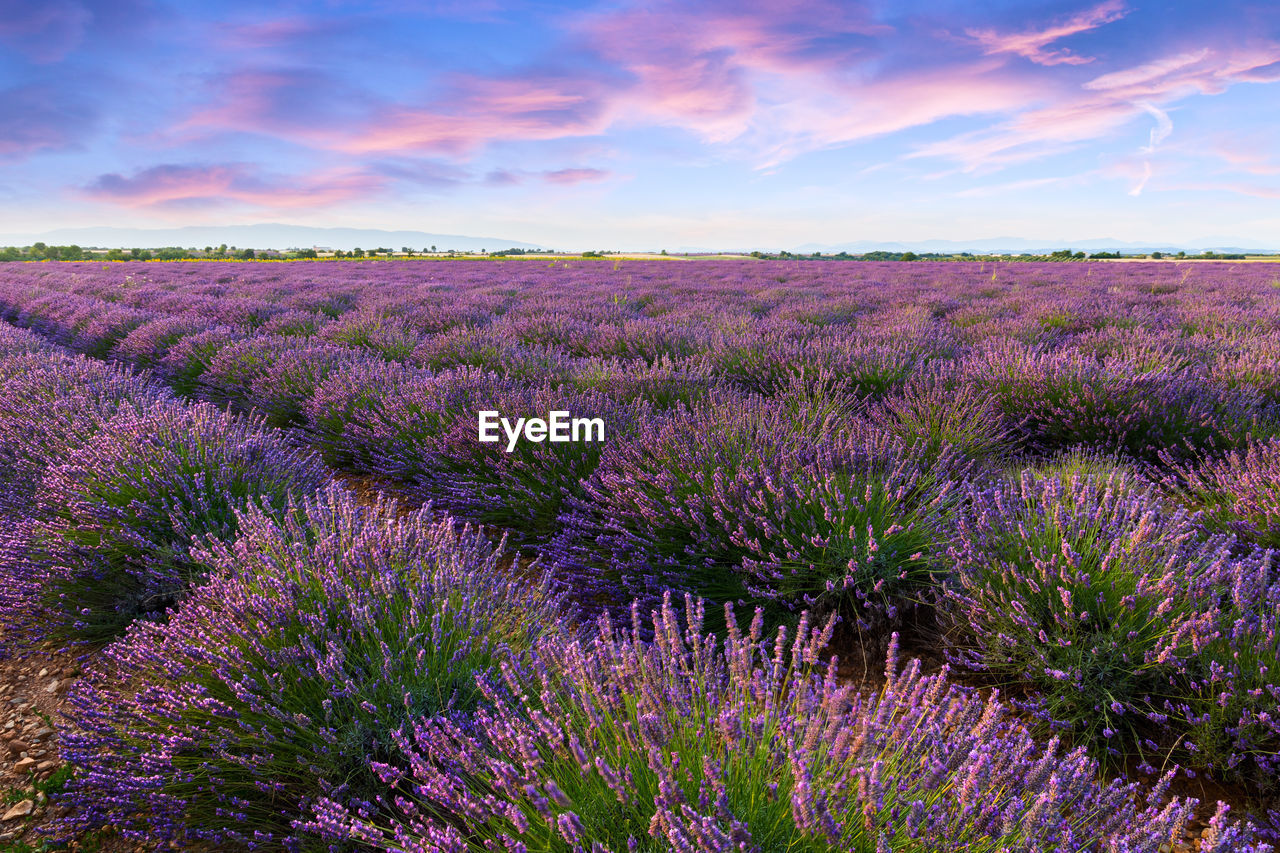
(282, 680)
(699, 743)
(116, 520)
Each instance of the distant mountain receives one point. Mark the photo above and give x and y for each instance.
(265, 236)
(1033, 247)
(279, 236)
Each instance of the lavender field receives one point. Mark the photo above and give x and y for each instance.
(871, 556)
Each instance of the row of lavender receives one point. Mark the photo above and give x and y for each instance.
(811, 443)
(299, 672)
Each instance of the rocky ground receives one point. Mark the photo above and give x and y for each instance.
(33, 687)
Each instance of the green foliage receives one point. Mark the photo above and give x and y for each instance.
(1086, 589)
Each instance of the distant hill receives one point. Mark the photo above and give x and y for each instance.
(1018, 245)
(279, 236)
(265, 236)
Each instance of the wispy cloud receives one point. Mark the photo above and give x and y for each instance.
(1137, 188)
(567, 177)
(185, 184)
(480, 111)
(1102, 107)
(1148, 74)
(1033, 44)
(1164, 125)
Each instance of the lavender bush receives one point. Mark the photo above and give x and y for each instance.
(319, 635)
(51, 405)
(188, 360)
(694, 743)
(1229, 692)
(1087, 589)
(147, 345)
(282, 391)
(940, 413)
(744, 496)
(1057, 400)
(525, 487)
(389, 337)
(1237, 492)
(116, 521)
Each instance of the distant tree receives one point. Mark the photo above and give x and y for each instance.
(222, 250)
(433, 247)
(1157, 255)
(910, 256)
(1182, 254)
(357, 252)
(115, 254)
(247, 255)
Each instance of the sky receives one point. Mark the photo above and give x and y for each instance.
(638, 125)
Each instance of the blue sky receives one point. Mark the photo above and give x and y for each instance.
(640, 125)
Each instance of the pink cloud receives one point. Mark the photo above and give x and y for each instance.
(563, 177)
(575, 176)
(1244, 157)
(1032, 44)
(826, 117)
(1104, 105)
(481, 111)
(1032, 134)
(176, 185)
(301, 105)
(710, 67)
(1151, 72)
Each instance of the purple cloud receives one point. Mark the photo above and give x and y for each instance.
(179, 185)
(575, 176)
